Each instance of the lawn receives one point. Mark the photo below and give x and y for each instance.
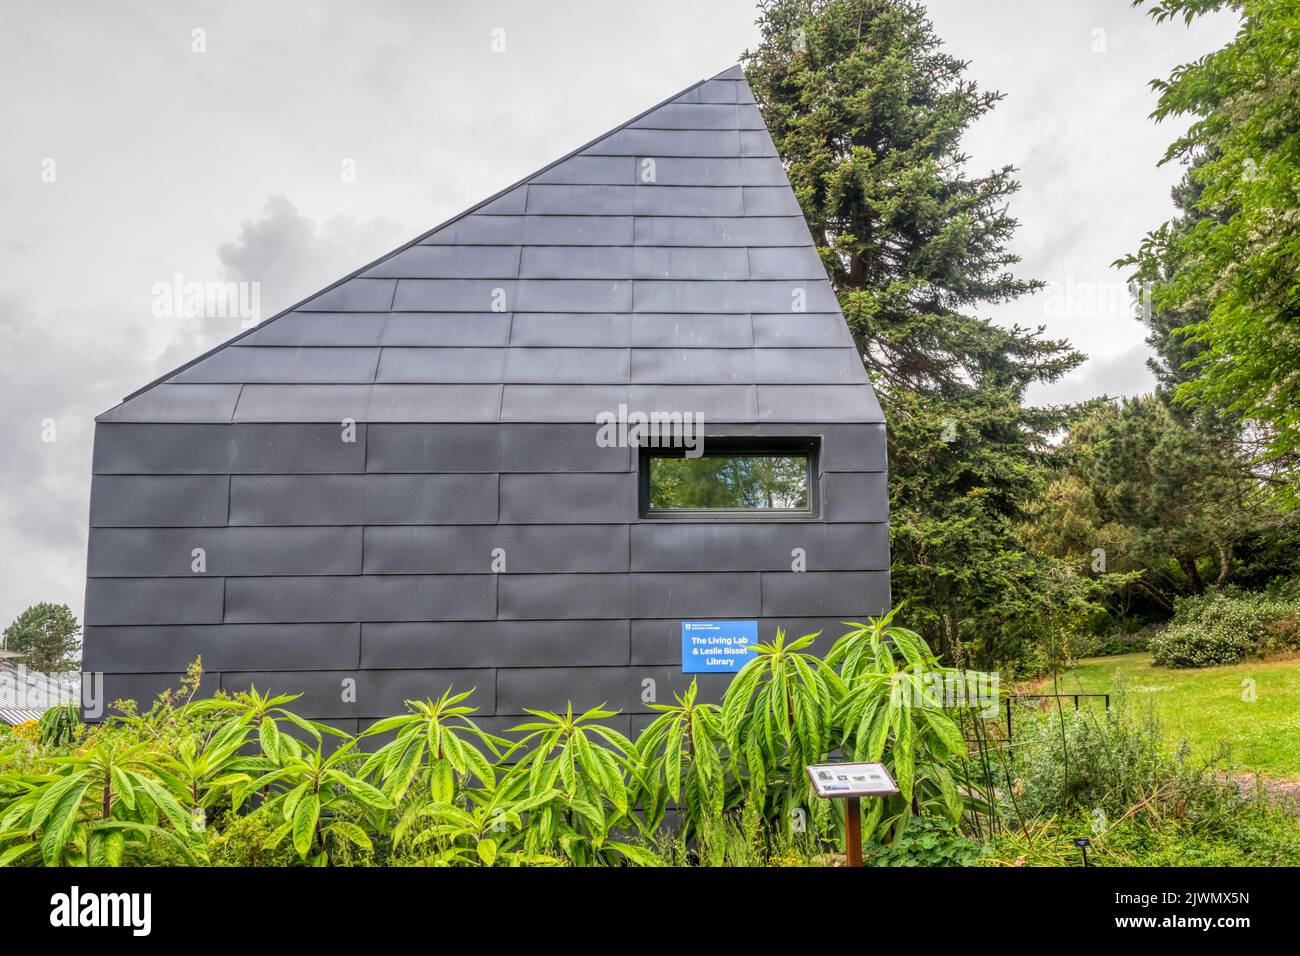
(1210, 705)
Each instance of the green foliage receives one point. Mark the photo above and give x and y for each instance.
(889, 711)
(317, 804)
(681, 762)
(1162, 499)
(434, 748)
(1224, 273)
(47, 637)
(1068, 760)
(95, 809)
(241, 840)
(927, 841)
(60, 725)
(243, 780)
(867, 111)
(1210, 824)
(1225, 627)
(583, 771)
(777, 717)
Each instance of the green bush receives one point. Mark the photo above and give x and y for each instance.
(241, 840)
(1082, 759)
(927, 841)
(1225, 627)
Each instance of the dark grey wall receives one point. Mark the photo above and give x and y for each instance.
(370, 560)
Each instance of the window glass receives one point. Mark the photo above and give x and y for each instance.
(739, 482)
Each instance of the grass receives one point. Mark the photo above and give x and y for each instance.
(1211, 706)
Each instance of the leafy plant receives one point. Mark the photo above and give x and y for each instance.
(681, 763)
(777, 717)
(589, 764)
(59, 726)
(204, 769)
(889, 712)
(926, 841)
(92, 807)
(319, 806)
(492, 830)
(434, 742)
(1224, 627)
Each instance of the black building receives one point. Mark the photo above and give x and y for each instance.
(422, 476)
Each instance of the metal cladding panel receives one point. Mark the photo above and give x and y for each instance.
(172, 552)
(273, 500)
(693, 366)
(560, 403)
(804, 330)
(273, 363)
(692, 331)
(823, 593)
(571, 499)
(445, 329)
(756, 231)
(443, 449)
(360, 598)
(560, 329)
(808, 366)
(403, 484)
(365, 694)
(149, 501)
(487, 549)
(143, 686)
(758, 546)
(495, 644)
(179, 403)
(245, 449)
(450, 262)
(233, 647)
(355, 295)
(194, 600)
(330, 329)
(369, 403)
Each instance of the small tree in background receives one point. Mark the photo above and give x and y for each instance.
(1157, 495)
(47, 636)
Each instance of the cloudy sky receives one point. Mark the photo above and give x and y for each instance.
(144, 141)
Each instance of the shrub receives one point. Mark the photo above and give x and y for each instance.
(59, 726)
(1225, 627)
(927, 841)
(1084, 760)
(242, 839)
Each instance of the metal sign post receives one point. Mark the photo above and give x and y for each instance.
(850, 782)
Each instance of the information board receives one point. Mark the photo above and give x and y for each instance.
(851, 780)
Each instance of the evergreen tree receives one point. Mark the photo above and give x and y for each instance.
(46, 635)
(867, 111)
(1169, 323)
(1146, 494)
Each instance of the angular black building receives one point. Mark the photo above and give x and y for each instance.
(434, 473)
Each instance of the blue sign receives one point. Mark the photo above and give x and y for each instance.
(717, 647)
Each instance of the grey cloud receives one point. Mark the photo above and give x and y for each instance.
(67, 366)
(1123, 374)
(291, 255)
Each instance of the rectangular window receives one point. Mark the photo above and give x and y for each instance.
(772, 477)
